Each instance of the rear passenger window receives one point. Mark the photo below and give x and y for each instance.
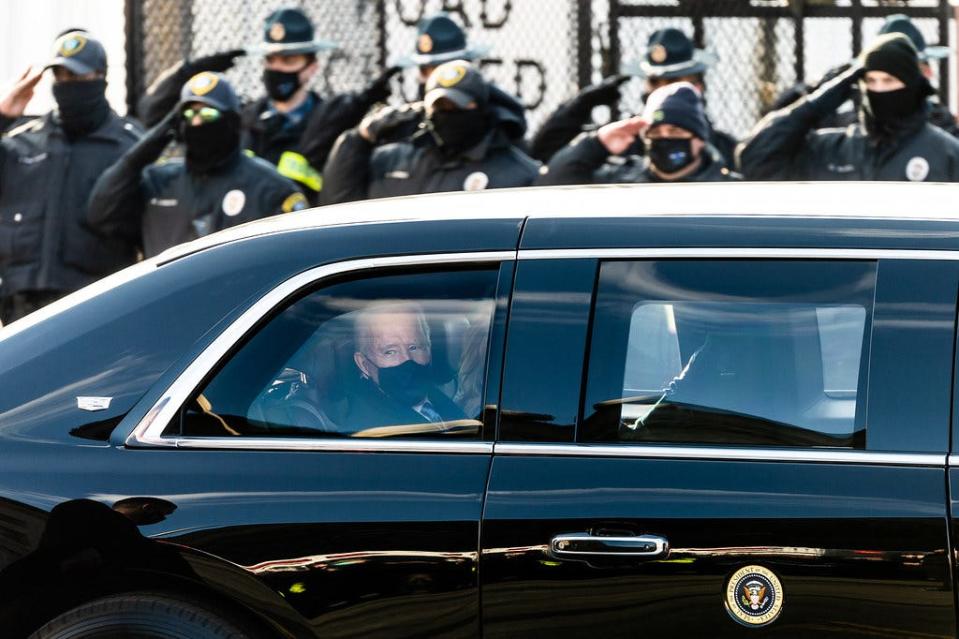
(736, 352)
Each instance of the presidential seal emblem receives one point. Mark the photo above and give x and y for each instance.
(277, 31)
(658, 54)
(917, 169)
(754, 596)
(476, 181)
(233, 202)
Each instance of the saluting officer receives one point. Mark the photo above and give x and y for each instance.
(439, 39)
(674, 131)
(214, 187)
(670, 56)
(47, 169)
(464, 144)
(291, 126)
(893, 141)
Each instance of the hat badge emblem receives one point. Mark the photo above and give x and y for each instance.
(425, 43)
(203, 83)
(658, 54)
(451, 74)
(277, 31)
(72, 45)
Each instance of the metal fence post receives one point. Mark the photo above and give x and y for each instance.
(133, 28)
(584, 43)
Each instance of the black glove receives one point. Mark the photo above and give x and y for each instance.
(381, 122)
(151, 145)
(219, 62)
(606, 92)
(830, 95)
(379, 89)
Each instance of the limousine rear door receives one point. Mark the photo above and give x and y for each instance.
(707, 443)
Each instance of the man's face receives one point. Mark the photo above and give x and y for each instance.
(394, 338)
(286, 63)
(882, 82)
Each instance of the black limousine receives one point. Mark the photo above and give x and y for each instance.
(718, 410)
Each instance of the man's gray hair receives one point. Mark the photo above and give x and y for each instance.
(363, 322)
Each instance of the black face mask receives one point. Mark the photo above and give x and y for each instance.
(82, 105)
(890, 107)
(408, 383)
(670, 155)
(281, 85)
(457, 131)
(211, 145)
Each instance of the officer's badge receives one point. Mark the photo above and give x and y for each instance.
(658, 54)
(71, 44)
(917, 169)
(754, 596)
(476, 181)
(233, 202)
(277, 31)
(425, 43)
(451, 74)
(203, 83)
(295, 202)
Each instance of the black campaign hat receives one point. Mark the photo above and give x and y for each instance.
(211, 89)
(78, 52)
(900, 23)
(671, 54)
(439, 39)
(290, 32)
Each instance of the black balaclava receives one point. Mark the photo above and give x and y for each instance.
(211, 145)
(459, 130)
(82, 105)
(888, 111)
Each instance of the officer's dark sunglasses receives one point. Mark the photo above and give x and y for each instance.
(207, 114)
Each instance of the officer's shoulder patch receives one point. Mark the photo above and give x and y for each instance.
(294, 202)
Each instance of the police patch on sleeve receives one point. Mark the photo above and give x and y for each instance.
(233, 202)
(754, 596)
(476, 181)
(450, 74)
(917, 169)
(294, 202)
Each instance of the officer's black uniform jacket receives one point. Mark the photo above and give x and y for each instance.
(45, 182)
(785, 146)
(164, 204)
(357, 170)
(586, 161)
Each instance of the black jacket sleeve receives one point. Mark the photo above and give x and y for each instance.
(118, 199)
(576, 163)
(346, 176)
(334, 116)
(564, 124)
(778, 148)
(163, 94)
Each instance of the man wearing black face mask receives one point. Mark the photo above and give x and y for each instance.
(674, 131)
(393, 357)
(214, 187)
(892, 141)
(463, 145)
(47, 168)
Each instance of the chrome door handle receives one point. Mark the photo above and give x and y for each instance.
(583, 545)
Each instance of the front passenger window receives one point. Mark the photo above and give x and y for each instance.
(392, 356)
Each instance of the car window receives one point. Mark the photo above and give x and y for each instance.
(730, 352)
(396, 356)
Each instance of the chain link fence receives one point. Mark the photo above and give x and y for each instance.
(543, 50)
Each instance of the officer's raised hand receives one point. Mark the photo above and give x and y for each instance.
(14, 103)
(605, 92)
(379, 89)
(222, 61)
(378, 124)
(618, 136)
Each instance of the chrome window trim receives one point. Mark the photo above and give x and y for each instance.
(737, 253)
(148, 432)
(954, 460)
(937, 460)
